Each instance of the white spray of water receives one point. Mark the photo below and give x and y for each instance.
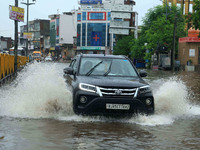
(171, 102)
(40, 91)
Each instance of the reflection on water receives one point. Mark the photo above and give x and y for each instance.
(192, 80)
(36, 113)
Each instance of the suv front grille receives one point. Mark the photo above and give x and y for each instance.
(117, 91)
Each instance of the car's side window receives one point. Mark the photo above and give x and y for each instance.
(75, 66)
(72, 63)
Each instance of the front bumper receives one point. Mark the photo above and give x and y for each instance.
(96, 105)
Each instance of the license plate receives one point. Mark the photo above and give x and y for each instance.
(118, 106)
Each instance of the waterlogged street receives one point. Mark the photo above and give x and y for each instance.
(36, 113)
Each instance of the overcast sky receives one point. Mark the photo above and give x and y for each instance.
(43, 8)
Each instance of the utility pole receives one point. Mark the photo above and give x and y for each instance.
(16, 40)
(27, 4)
(174, 43)
(174, 36)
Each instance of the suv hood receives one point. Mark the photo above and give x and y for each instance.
(112, 81)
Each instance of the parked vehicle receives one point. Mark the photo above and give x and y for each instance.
(37, 55)
(108, 85)
(48, 58)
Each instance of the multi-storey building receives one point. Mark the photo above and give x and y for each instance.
(5, 43)
(40, 32)
(99, 20)
(186, 5)
(62, 31)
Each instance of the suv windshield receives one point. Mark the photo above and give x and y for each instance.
(106, 67)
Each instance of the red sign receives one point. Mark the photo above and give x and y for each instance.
(96, 38)
(189, 39)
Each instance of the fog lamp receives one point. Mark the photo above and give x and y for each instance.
(148, 101)
(83, 99)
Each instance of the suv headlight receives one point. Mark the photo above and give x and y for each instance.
(144, 89)
(87, 87)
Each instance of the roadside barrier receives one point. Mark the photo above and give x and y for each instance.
(7, 65)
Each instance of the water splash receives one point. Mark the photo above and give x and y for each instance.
(172, 101)
(40, 91)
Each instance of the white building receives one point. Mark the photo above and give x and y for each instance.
(62, 31)
(98, 21)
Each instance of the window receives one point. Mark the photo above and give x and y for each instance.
(84, 16)
(108, 67)
(96, 15)
(108, 38)
(96, 34)
(83, 34)
(79, 17)
(109, 15)
(78, 34)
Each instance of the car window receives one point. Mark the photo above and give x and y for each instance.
(75, 66)
(72, 63)
(107, 67)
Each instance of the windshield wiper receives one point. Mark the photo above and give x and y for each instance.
(109, 69)
(92, 69)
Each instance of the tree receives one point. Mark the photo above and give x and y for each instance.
(196, 14)
(123, 46)
(157, 30)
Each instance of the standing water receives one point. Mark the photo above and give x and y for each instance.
(36, 113)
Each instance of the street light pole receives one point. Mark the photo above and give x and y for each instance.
(27, 4)
(174, 36)
(16, 41)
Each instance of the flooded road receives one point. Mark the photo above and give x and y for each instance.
(36, 113)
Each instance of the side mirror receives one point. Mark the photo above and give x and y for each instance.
(69, 70)
(143, 73)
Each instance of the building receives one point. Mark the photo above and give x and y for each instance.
(62, 31)
(189, 49)
(99, 21)
(38, 33)
(186, 5)
(5, 44)
(22, 40)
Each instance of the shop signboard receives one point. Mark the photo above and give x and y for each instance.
(126, 8)
(90, 48)
(90, 1)
(192, 52)
(121, 15)
(16, 13)
(119, 31)
(123, 24)
(27, 35)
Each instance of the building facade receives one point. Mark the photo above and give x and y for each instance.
(62, 31)
(189, 49)
(5, 44)
(186, 5)
(98, 21)
(39, 30)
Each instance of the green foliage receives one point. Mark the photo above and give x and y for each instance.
(196, 15)
(137, 48)
(188, 19)
(158, 30)
(123, 46)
